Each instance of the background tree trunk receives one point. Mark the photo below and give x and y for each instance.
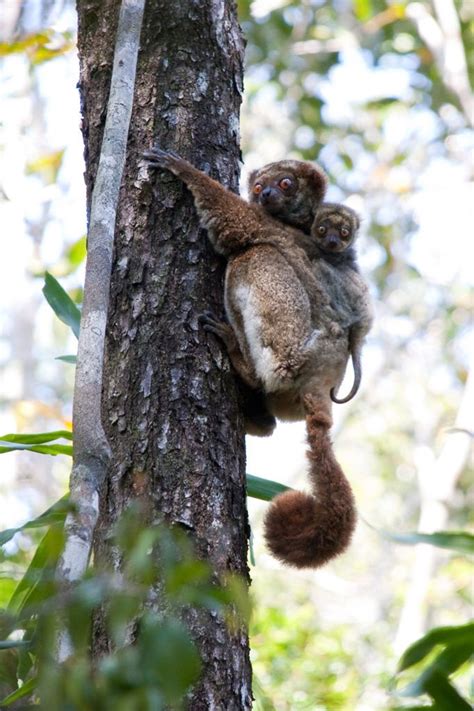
(169, 401)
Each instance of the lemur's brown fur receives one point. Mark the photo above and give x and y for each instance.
(334, 231)
(284, 338)
(292, 191)
(307, 530)
(297, 202)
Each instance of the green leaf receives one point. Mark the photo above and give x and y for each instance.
(47, 166)
(435, 676)
(24, 690)
(38, 582)
(169, 657)
(30, 41)
(453, 657)
(67, 358)
(38, 438)
(264, 489)
(52, 449)
(54, 515)
(61, 303)
(7, 586)
(459, 635)
(363, 9)
(459, 541)
(435, 684)
(37, 442)
(77, 251)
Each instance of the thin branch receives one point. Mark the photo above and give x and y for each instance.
(91, 449)
(443, 39)
(437, 480)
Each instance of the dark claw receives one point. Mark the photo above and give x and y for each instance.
(206, 316)
(158, 157)
(211, 323)
(214, 327)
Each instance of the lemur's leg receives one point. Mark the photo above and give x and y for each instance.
(226, 334)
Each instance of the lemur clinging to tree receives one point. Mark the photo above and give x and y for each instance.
(283, 337)
(292, 191)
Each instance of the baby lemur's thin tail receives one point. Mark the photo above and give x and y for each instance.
(307, 530)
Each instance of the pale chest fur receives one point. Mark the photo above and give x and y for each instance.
(270, 311)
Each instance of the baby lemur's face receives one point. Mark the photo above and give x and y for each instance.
(289, 190)
(335, 227)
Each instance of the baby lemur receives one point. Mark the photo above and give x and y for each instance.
(292, 191)
(284, 338)
(333, 233)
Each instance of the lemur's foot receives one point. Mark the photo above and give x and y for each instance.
(158, 158)
(336, 330)
(220, 329)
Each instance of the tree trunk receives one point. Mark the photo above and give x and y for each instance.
(169, 401)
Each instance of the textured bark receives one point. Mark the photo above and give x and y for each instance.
(169, 401)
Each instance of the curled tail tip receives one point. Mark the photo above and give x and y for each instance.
(302, 533)
(348, 397)
(355, 385)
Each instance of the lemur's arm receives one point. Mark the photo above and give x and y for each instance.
(231, 222)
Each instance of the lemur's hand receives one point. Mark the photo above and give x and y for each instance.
(158, 158)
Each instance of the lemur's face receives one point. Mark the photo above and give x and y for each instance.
(275, 193)
(334, 230)
(290, 191)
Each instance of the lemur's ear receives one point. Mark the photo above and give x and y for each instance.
(250, 182)
(353, 216)
(252, 177)
(317, 179)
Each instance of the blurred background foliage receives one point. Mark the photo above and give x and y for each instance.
(379, 93)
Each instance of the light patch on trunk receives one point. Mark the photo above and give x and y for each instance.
(75, 558)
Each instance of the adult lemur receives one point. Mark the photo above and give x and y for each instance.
(292, 191)
(284, 337)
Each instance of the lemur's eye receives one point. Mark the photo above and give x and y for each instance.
(345, 232)
(285, 183)
(257, 188)
(321, 229)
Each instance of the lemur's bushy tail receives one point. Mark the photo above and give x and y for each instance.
(307, 530)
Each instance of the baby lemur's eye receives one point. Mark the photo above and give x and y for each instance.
(321, 229)
(345, 232)
(285, 183)
(257, 188)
